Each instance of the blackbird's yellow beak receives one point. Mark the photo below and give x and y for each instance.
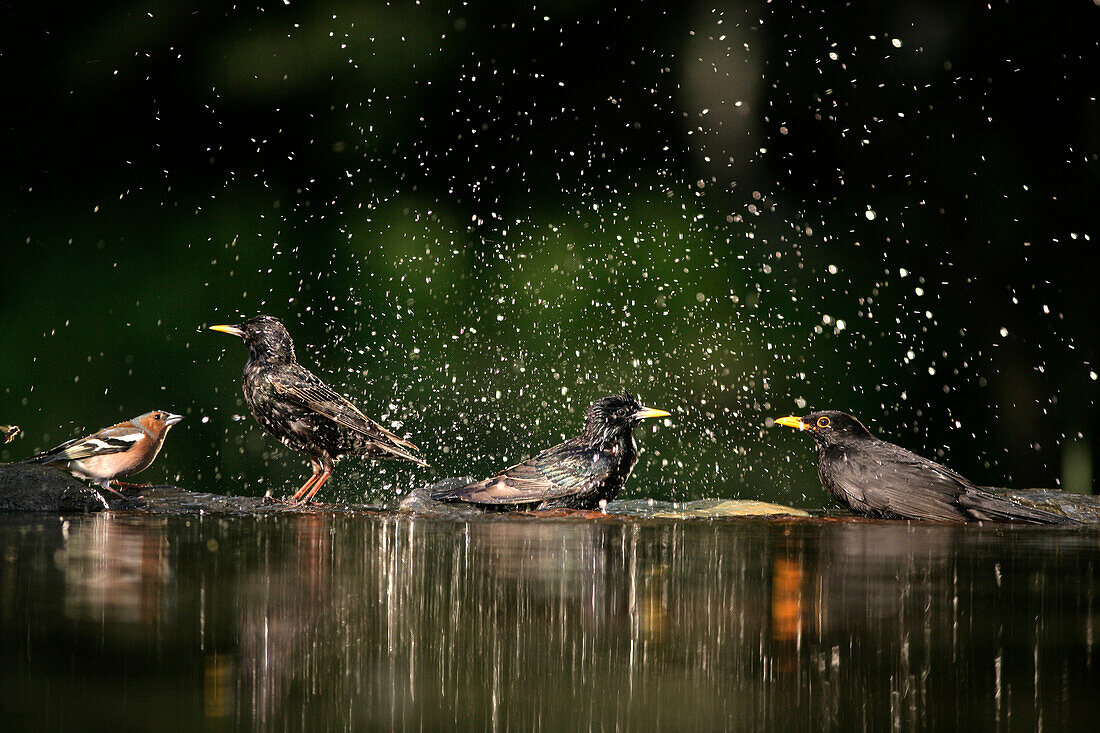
(231, 330)
(792, 422)
(648, 412)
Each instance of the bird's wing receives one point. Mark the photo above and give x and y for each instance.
(105, 442)
(992, 504)
(306, 389)
(940, 483)
(893, 480)
(560, 471)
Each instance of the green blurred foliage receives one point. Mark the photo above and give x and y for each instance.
(475, 221)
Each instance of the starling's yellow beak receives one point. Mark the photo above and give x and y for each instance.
(792, 422)
(647, 412)
(231, 330)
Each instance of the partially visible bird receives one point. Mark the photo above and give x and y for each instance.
(115, 452)
(880, 479)
(8, 433)
(304, 413)
(578, 474)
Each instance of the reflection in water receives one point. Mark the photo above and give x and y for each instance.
(390, 621)
(113, 569)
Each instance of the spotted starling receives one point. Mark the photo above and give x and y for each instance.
(578, 474)
(879, 479)
(303, 412)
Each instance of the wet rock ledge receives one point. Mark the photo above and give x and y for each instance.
(31, 488)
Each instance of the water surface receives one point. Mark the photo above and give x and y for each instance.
(361, 621)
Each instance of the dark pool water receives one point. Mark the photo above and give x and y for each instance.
(385, 621)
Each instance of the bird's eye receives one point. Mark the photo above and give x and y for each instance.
(823, 422)
(158, 416)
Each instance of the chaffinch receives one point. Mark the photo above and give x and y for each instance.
(120, 450)
(303, 412)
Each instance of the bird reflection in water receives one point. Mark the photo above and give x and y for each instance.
(114, 571)
(287, 606)
(388, 621)
(786, 608)
(405, 622)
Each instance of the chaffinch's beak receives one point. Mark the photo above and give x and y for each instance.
(172, 419)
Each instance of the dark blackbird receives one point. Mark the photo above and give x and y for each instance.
(879, 479)
(578, 474)
(303, 412)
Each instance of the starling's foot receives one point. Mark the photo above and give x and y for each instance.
(291, 501)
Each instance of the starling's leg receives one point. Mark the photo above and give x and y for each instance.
(293, 499)
(317, 486)
(306, 486)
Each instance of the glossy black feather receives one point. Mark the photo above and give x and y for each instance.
(577, 474)
(300, 410)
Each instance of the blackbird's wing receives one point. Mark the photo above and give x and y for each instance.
(103, 443)
(301, 386)
(563, 470)
(893, 480)
(930, 485)
(990, 504)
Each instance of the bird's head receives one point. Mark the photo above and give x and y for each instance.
(828, 427)
(611, 417)
(266, 337)
(157, 422)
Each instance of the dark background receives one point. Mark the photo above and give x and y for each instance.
(477, 219)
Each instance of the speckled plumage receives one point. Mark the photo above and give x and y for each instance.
(879, 479)
(301, 411)
(577, 474)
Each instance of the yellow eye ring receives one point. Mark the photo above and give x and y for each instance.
(823, 422)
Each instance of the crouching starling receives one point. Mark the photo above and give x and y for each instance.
(879, 479)
(304, 413)
(578, 474)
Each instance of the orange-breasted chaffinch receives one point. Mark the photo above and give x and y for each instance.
(120, 450)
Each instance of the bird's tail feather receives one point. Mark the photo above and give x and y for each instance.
(991, 505)
(393, 451)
